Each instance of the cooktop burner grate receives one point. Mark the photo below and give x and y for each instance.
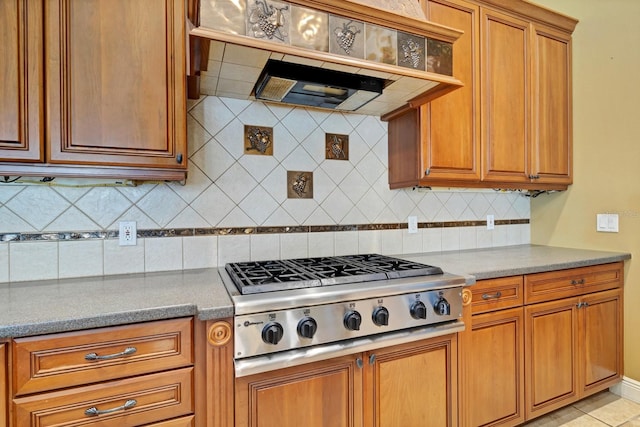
(267, 276)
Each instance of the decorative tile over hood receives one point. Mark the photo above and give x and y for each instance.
(380, 39)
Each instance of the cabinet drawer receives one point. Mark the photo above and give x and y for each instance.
(541, 287)
(496, 294)
(150, 398)
(178, 422)
(62, 360)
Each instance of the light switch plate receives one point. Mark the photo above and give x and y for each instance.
(607, 223)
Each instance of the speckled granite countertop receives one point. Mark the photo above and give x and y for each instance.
(33, 308)
(514, 260)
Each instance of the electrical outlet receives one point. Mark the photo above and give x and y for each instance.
(127, 234)
(413, 224)
(490, 222)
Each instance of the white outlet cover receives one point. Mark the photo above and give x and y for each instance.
(490, 222)
(127, 233)
(413, 224)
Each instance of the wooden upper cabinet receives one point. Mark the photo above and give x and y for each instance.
(450, 126)
(115, 75)
(21, 109)
(505, 94)
(551, 146)
(509, 126)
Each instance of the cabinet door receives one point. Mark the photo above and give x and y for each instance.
(116, 82)
(412, 385)
(21, 127)
(505, 91)
(551, 342)
(327, 393)
(551, 131)
(495, 363)
(451, 124)
(600, 340)
(3, 385)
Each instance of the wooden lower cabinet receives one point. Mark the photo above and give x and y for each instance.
(412, 385)
(124, 376)
(574, 349)
(327, 393)
(495, 369)
(409, 385)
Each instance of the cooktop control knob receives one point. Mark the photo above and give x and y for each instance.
(442, 307)
(380, 316)
(418, 310)
(352, 320)
(272, 333)
(307, 327)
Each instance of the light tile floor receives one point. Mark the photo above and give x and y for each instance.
(604, 409)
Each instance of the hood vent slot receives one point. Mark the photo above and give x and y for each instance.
(276, 88)
(316, 87)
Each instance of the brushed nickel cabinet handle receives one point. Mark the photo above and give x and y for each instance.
(94, 356)
(359, 363)
(93, 411)
(372, 359)
(577, 282)
(492, 296)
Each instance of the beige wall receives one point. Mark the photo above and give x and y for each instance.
(606, 137)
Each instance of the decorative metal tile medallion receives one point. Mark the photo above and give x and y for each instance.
(337, 146)
(439, 57)
(309, 29)
(411, 51)
(268, 20)
(299, 185)
(224, 15)
(258, 140)
(381, 44)
(347, 37)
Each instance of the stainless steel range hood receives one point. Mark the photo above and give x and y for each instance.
(246, 37)
(316, 87)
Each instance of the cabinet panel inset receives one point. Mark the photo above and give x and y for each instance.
(115, 72)
(505, 96)
(21, 131)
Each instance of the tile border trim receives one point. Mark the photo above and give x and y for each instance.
(230, 231)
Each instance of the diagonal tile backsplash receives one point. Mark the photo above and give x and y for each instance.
(228, 187)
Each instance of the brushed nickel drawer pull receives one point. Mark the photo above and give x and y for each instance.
(577, 282)
(93, 411)
(492, 296)
(127, 351)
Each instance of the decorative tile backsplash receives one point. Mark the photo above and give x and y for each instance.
(234, 205)
(285, 23)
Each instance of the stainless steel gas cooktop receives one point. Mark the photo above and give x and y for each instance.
(265, 276)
